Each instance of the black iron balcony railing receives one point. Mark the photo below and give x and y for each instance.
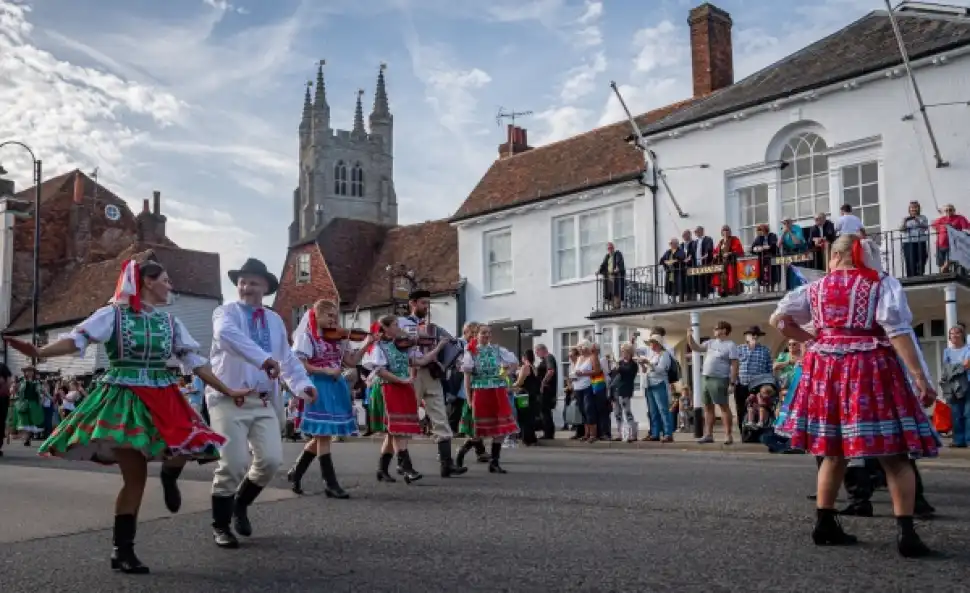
(913, 257)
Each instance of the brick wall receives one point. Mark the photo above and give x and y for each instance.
(292, 295)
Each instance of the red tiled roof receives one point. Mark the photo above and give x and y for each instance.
(590, 159)
(430, 249)
(80, 291)
(349, 247)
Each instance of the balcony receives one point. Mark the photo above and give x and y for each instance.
(754, 279)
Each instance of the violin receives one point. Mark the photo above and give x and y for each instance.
(407, 342)
(333, 334)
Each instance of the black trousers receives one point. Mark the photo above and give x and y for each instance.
(527, 421)
(4, 408)
(548, 422)
(741, 404)
(455, 409)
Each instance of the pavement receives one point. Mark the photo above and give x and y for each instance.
(564, 519)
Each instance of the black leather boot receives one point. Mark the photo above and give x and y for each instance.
(333, 489)
(170, 488)
(493, 466)
(448, 467)
(480, 452)
(221, 520)
(908, 541)
(247, 493)
(460, 459)
(295, 475)
(123, 555)
(828, 530)
(410, 474)
(400, 463)
(382, 470)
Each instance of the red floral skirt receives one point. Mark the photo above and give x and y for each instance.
(492, 414)
(400, 409)
(858, 404)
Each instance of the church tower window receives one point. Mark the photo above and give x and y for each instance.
(340, 179)
(357, 181)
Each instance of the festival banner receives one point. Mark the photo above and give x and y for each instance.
(749, 271)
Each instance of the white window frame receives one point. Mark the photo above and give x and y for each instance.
(580, 333)
(815, 178)
(577, 247)
(298, 314)
(860, 208)
(748, 232)
(303, 267)
(487, 265)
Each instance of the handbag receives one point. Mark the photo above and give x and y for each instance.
(573, 415)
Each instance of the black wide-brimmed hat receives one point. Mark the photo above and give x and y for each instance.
(754, 330)
(418, 294)
(254, 267)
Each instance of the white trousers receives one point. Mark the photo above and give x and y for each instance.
(251, 426)
(429, 389)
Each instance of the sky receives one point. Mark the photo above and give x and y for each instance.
(201, 99)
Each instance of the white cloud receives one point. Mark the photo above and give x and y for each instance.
(594, 12)
(224, 6)
(640, 98)
(581, 81)
(561, 123)
(658, 47)
(590, 33)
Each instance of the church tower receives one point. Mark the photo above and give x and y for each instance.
(344, 174)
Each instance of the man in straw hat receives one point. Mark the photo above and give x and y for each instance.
(250, 350)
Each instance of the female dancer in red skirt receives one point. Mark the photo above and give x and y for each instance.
(855, 399)
(394, 404)
(135, 413)
(488, 393)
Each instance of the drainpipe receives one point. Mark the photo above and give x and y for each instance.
(461, 302)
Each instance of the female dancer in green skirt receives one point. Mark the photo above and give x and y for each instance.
(135, 413)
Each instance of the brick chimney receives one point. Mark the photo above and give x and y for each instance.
(517, 142)
(151, 222)
(712, 55)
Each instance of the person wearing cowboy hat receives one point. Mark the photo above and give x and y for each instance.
(754, 362)
(250, 349)
(28, 412)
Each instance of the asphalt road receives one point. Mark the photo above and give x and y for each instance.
(563, 520)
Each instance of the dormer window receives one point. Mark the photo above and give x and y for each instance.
(357, 181)
(303, 268)
(340, 179)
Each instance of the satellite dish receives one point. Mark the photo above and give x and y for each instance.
(112, 212)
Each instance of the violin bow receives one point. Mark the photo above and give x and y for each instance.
(354, 321)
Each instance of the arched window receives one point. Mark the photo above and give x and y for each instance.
(340, 179)
(357, 181)
(805, 181)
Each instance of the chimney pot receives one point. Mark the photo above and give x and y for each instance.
(516, 143)
(712, 52)
(144, 206)
(157, 202)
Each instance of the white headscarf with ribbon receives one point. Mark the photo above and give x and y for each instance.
(128, 288)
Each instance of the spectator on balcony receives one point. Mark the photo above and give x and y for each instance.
(916, 240)
(821, 235)
(765, 246)
(674, 268)
(956, 384)
(847, 223)
(687, 246)
(613, 272)
(720, 374)
(726, 253)
(754, 362)
(792, 239)
(949, 218)
(701, 253)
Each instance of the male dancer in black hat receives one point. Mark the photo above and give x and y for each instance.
(427, 384)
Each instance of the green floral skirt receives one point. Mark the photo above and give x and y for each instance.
(376, 413)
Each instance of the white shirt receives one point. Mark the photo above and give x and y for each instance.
(718, 355)
(585, 381)
(236, 358)
(848, 224)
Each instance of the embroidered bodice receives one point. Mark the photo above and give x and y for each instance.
(319, 352)
(139, 345)
(485, 366)
(844, 300)
(385, 355)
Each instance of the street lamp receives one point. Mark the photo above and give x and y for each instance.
(35, 298)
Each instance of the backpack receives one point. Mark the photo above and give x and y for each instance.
(673, 372)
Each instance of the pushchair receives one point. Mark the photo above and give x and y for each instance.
(752, 432)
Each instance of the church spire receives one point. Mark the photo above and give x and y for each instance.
(359, 116)
(381, 107)
(307, 107)
(320, 99)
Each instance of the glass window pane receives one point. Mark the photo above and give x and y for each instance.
(567, 265)
(851, 196)
(761, 214)
(822, 203)
(870, 194)
(850, 176)
(788, 189)
(761, 194)
(805, 209)
(566, 233)
(803, 146)
(821, 183)
(819, 145)
(628, 247)
(788, 210)
(591, 257)
(870, 173)
(870, 216)
(820, 163)
(789, 171)
(788, 154)
(805, 186)
(803, 167)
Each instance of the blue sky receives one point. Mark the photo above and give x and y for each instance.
(201, 99)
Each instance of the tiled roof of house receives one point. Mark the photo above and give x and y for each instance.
(79, 292)
(592, 159)
(349, 247)
(865, 46)
(429, 249)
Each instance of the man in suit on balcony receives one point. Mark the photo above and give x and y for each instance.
(613, 272)
(701, 253)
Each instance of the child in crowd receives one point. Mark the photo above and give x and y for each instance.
(686, 410)
(760, 404)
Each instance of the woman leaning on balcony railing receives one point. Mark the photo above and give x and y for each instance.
(674, 268)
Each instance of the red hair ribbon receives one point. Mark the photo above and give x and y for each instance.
(472, 346)
(375, 328)
(128, 288)
(859, 261)
(312, 322)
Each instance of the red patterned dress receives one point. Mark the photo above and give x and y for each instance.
(855, 399)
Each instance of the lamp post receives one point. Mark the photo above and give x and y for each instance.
(35, 294)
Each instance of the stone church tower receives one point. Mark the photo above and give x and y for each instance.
(344, 174)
